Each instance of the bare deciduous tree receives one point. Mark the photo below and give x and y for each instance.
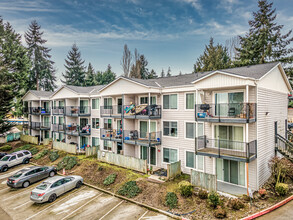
(231, 45)
(126, 60)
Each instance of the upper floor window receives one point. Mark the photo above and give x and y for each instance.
(108, 102)
(190, 130)
(96, 123)
(170, 101)
(170, 128)
(145, 100)
(190, 101)
(95, 103)
(194, 161)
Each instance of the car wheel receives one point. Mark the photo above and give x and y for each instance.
(25, 184)
(78, 184)
(52, 198)
(4, 169)
(26, 161)
(52, 173)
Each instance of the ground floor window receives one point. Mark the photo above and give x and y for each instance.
(95, 141)
(144, 151)
(231, 171)
(47, 134)
(108, 145)
(170, 155)
(194, 161)
(61, 137)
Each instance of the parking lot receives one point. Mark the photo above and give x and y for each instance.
(82, 203)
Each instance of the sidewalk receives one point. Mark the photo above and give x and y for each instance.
(283, 213)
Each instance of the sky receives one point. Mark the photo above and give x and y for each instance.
(170, 33)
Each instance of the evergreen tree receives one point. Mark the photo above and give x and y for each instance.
(90, 79)
(213, 58)
(42, 74)
(144, 72)
(162, 73)
(169, 72)
(75, 70)
(106, 77)
(264, 41)
(152, 74)
(14, 68)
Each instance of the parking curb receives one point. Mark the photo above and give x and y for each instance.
(268, 210)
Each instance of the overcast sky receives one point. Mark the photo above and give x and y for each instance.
(168, 32)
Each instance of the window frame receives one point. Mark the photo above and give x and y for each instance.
(170, 129)
(195, 161)
(185, 101)
(163, 162)
(94, 122)
(107, 149)
(177, 98)
(96, 106)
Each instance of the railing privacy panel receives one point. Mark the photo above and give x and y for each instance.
(77, 110)
(110, 111)
(39, 110)
(111, 134)
(143, 136)
(204, 180)
(58, 110)
(142, 110)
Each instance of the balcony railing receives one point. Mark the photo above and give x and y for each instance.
(58, 127)
(231, 150)
(142, 138)
(76, 130)
(142, 111)
(25, 124)
(77, 111)
(39, 111)
(58, 110)
(226, 112)
(40, 125)
(25, 110)
(111, 134)
(114, 111)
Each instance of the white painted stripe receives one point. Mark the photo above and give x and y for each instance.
(22, 205)
(81, 206)
(141, 217)
(112, 209)
(53, 204)
(11, 197)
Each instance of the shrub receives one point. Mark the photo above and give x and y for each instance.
(171, 200)
(42, 154)
(185, 188)
(281, 189)
(67, 162)
(110, 179)
(214, 199)
(34, 150)
(54, 156)
(203, 194)
(236, 204)
(129, 189)
(220, 212)
(5, 148)
(24, 147)
(281, 169)
(262, 193)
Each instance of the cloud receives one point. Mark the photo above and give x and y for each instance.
(27, 6)
(194, 3)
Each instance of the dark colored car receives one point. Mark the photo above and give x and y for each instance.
(27, 176)
(2, 154)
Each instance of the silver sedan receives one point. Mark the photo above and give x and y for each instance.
(53, 187)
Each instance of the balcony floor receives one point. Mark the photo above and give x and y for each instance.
(143, 142)
(227, 120)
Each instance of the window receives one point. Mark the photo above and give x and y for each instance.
(30, 173)
(145, 100)
(231, 171)
(12, 158)
(19, 155)
(170, 101)
(26, 152)
(95, 103)
(107, 145)
(189, 101)
(95, 141)
(61, 120)
(194, 161)
(108, 103)
(169, 155)
(107, 123)
(170, 128)
(190, 131)
(96, 123)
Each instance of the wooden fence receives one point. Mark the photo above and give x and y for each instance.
(204, 180)
(29, 139)
(173, 169)
(70, 148)
(90, 151)
(47, 141)
(123, 161)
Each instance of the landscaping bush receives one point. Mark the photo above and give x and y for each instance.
(281, 169)
(281, 189)
(54, 156)
(110, 179)
(171, 200)
(129, 189)
(42, 154)
(203, 194)
(5, 148)
(220, 212)
(262, 193)
(67, 162)
(34, 150)
(214, 199)
(24, 147)
(236, 204)
(185, 188)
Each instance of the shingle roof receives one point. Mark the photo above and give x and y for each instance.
(86, 90)
(42, 94)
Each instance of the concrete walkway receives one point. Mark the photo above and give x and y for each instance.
(283, 213)
(4, 215)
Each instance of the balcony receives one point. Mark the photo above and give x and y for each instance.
(230, 150)
(25, 110)
(25, 124)
(232, 112)
(143, 111)
(142, 138)
(111, 135)
(76, 111)
(114, 111)
(76, 130)
(58, 110)
(40, 125)
(40, 111)
(58, 127)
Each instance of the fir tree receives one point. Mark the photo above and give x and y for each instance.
(144, 72)
(75, 70)
(264, 41)
(169, 72)
(213, 58)
(42, 74)
(152, 74)
(90, 79)
(162, 73)
(106, 77)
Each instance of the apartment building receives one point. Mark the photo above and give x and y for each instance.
(219, 122)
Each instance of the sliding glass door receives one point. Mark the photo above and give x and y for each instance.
(228, 104)
(144, 154)
(229, 137)
(143, 125)
(231, 171)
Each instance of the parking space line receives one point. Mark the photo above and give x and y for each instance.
(22, 205)
(81, 207)
(54, 204)
(112, 209)
(141, 217)
(11, 197)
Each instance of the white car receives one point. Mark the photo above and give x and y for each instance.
(13, 159)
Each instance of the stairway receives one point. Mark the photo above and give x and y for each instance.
(285, 146)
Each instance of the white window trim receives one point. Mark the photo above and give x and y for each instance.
(138, 129)
(107, 97)
(107, 146)
(191, 168)
(139, 153)
(162, 129)
(173, 148)
(228, 91)
(185, 109)
(162, 102)
(95, 109)
(92, 122)
(147, 97)
(92, 140)
(228, 124)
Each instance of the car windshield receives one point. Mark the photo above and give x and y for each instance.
(6, 158)
(18, 174)
(43, 186)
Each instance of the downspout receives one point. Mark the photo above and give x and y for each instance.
(149, 150)
(246, 137)
(40, 106)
